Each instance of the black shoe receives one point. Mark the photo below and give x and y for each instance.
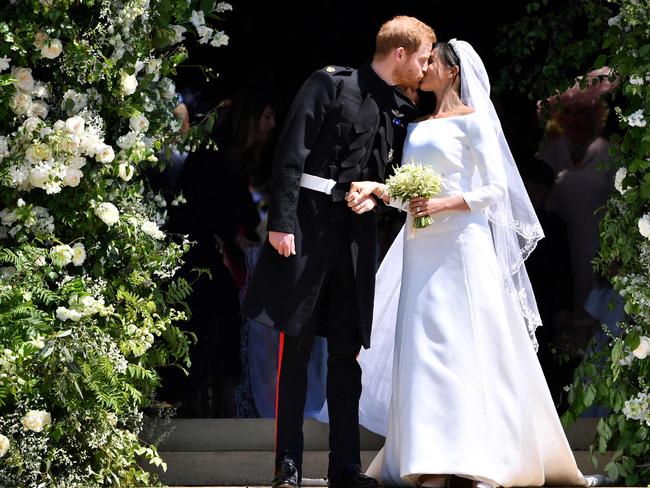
(353, 477)
(286, 476)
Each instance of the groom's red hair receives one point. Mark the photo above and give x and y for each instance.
(402, 31)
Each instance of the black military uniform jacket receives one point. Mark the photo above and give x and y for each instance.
(345, 125)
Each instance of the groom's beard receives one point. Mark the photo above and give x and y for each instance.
(408, 77)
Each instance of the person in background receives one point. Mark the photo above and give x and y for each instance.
(578, 154)
(221, 219)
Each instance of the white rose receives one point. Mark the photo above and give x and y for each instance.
(153, 65)
(39, 175)
(8, 217)
(220, 39)
(615, 21)
(72, 177)
(4, 445)
(78, 162)
(71, 143)
(197, 18)
(108, 213)
(75, 125)
(31, 124)
(126, 171)
(4, 147)
(4, 63)
(39, 109)
(64, 314)
(59, 125)
(24, 80)
(204, 33)
(179, 30)
(168, 89)
(36, 420)
(21, 103)
(37, 152)
(618, 180)
(104, 153)
(78, 254)
(129, 84)
(139, 123)
(52, 49)
(637, 119)
(41, 90)
(644, 226)
(8, 272)
(61, 255)
(151, 229)
(39, 39)
(642, 351)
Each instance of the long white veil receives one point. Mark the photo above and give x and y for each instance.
(513, 221)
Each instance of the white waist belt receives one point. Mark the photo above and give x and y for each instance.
(317, 183)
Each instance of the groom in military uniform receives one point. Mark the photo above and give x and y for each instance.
(316, 272)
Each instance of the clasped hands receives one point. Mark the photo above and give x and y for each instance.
(361, 199)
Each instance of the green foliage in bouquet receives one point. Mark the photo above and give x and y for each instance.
(615, 375)
(89, 302)
(411, 181)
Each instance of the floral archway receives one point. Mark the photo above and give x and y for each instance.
(89, 305)
(555, 43)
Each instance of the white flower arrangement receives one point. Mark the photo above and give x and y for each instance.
(36, 420)
(637, 119)
(4, 445)
(620, 175)
(643, 349)
(76, 143)
(644, 226)
(108, 213)
(638, 408)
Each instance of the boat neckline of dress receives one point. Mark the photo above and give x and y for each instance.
(443, 118)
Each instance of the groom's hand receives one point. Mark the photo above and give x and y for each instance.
(360, 204)
(282, 242)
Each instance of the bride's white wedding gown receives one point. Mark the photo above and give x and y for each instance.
(467, 395)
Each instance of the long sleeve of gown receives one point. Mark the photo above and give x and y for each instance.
(484, 147)
(296, 141)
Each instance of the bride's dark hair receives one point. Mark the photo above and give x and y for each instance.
(448, 53)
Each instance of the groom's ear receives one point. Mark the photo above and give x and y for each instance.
(400, 54)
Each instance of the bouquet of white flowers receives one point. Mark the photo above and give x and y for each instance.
(414, 180)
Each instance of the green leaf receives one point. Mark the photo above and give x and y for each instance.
(601, 60)
(590, 395)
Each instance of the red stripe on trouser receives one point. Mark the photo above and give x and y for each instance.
(277, 386)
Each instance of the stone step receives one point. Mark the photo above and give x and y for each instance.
(248, 468)
(227, 452)
(259, 435)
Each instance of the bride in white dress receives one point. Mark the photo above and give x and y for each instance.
(454, 311)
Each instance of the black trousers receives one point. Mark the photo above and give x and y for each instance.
(336, 317)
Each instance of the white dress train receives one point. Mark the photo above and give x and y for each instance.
(467, 395)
